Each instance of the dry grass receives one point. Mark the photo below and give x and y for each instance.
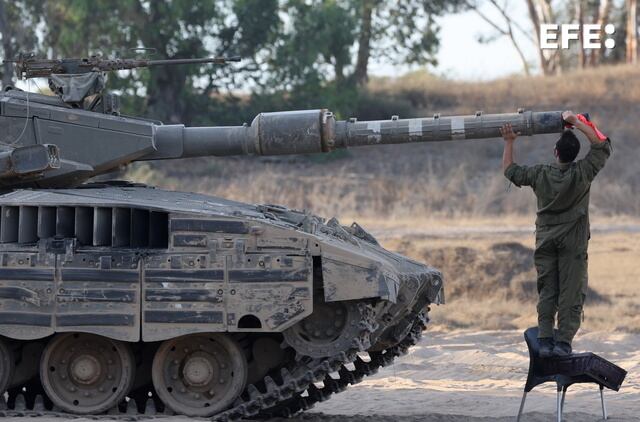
(609, 88)
(490, 278)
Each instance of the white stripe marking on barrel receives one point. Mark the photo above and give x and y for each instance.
(415, 127)
(374, 126)
(457, 128)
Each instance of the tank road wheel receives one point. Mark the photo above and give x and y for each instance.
(86, 373)
(332, 328)
(199, 374)
(7, 365)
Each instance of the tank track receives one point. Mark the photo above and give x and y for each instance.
(295, 390)
(348, 376)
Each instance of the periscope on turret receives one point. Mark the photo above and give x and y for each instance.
(111, 292)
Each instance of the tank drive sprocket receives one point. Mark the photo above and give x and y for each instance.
(332, 328)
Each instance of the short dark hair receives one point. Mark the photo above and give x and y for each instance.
(568, 146)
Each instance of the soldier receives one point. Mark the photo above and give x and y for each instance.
(562, 226)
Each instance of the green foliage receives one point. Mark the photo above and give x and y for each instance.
(315, 44)
(173, 29)
(296, 53)
(406, 32)
(17, 23)
(321, 37)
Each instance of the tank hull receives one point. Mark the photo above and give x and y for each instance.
(138, 266)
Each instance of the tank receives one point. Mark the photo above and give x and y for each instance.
(125, 299)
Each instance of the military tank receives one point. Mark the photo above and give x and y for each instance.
(123, 299)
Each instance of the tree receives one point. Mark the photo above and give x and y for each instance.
(293, 52)
(507, 28)
(596, 12)
(316, 46)
(400, 32)
(540, 12)
(632, 31)
(323, 35)
(172, 29)
(17, 20)
(361, 73)
(603, 12)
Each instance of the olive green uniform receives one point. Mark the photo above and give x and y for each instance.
(562, 236)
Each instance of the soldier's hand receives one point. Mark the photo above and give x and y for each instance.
(569, 117)
(507, 132)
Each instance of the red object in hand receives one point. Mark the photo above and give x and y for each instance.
(599, 134)
(589, 123)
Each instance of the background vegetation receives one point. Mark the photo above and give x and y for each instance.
(316, 53)
(296, 53)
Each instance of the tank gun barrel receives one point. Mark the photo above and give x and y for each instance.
(436, 129)
(314, 131)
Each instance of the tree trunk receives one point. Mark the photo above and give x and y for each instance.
(632, 32)
(582, 54)
(601, 18)
(539, 13)
(338, 68)
(7, 47)
(164, 99)
(360, 74)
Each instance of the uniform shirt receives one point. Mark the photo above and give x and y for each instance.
(562, 189)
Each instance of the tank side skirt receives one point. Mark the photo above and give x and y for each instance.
(27, 284)
(98, 292)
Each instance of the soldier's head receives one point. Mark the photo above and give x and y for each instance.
(567, 147)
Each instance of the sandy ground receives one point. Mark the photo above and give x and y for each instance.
(465, 374)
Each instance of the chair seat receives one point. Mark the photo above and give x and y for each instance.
(568, 370)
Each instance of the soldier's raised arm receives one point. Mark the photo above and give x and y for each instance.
(600, 149)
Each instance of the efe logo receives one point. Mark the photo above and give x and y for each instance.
(571, 32)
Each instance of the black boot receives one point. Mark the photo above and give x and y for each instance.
(561, 349)
(546, 347)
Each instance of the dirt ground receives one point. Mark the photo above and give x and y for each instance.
(464, 375)
(469, 375)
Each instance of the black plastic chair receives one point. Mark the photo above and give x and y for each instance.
(566, 371)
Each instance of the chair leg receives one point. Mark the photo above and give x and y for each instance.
(524, 397)
(558, 406)
(604, 408)
(564, 393)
